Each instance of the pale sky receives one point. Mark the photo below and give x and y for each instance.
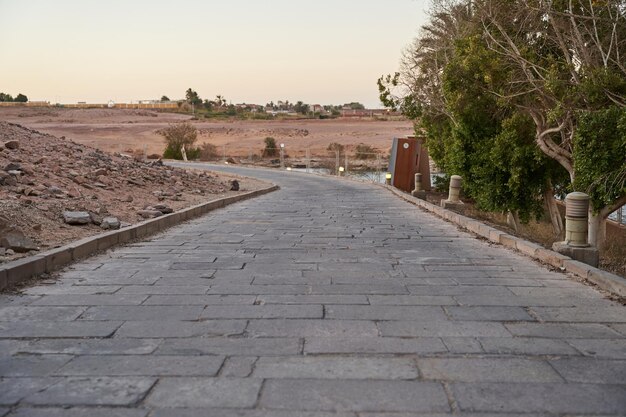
(253, 51)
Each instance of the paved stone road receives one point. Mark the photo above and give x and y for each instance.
(327, 298)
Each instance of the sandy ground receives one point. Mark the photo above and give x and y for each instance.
(121, 130)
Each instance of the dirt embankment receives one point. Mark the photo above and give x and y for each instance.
(42, 176)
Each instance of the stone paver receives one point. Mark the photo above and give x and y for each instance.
(327, 298)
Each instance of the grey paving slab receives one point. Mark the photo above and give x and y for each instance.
(31, 365)
(238, 367)
(205, 392)
(176, 329)
(310, 311)
(591, 370)
(30, 313)
(79, 412)
(142, 313)
(487, 370)
(601, 348)
(205, 300)
(49, 329)
(510, 398)
(232, 346)
(359, 312)
(91, 300)
(98, 346)
(123, 391)
(317, 328)
(489, 313)
(443, 328)
(529, 346)
(225, 412)
(350, 395)
(326, 298)
(312, 299)
(12, 390)
(335, 368)
(373, 345)
(142, 365)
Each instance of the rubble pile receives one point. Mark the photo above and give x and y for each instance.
(53, 190)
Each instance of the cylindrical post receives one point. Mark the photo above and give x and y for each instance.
(455, 189)
(576, 217)
(337, 163)
(418, 182)
(388, 178)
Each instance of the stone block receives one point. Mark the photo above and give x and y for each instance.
(495, 235)
(550, 257)
(4, 281)
(24, 269)
(607, 281)
(508, 241)
(83, 248)
(452, 205)
(373, 345)
(588, 255)
(205, 392)
(419, 194)
(527, 248)
(107, 240)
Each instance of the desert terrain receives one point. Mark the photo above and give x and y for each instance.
(121, 130)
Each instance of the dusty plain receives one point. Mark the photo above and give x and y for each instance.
(121, 130)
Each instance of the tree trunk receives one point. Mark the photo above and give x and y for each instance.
(597, 230)
(553, 210)
(512, 218)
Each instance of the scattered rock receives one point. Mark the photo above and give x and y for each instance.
(76, 217)
(13, 166)
(96, 219)
(163, 208)
(17, 241)
(99, 172)
(112, 223)
(10, 252)
(12, 144)
(234, 185)
(55, 190)
(149, 214)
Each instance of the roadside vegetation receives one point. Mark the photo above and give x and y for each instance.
(526, 100)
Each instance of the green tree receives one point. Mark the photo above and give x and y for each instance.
(192, 97)
(165, 98)
(6, 97)
(270, 150)
(21, 98)
(176, 136)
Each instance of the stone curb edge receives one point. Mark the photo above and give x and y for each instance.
(603, 279)
(24, 269)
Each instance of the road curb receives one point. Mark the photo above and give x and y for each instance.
(23, 269)
(603, 279)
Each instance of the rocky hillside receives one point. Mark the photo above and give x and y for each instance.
(43, 178)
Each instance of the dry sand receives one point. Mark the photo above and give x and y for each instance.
(120, 130)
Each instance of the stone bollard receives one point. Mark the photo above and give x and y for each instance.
(576, 219)
(576, 230)
(455, 189)
(418, 192)
(454, 200)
